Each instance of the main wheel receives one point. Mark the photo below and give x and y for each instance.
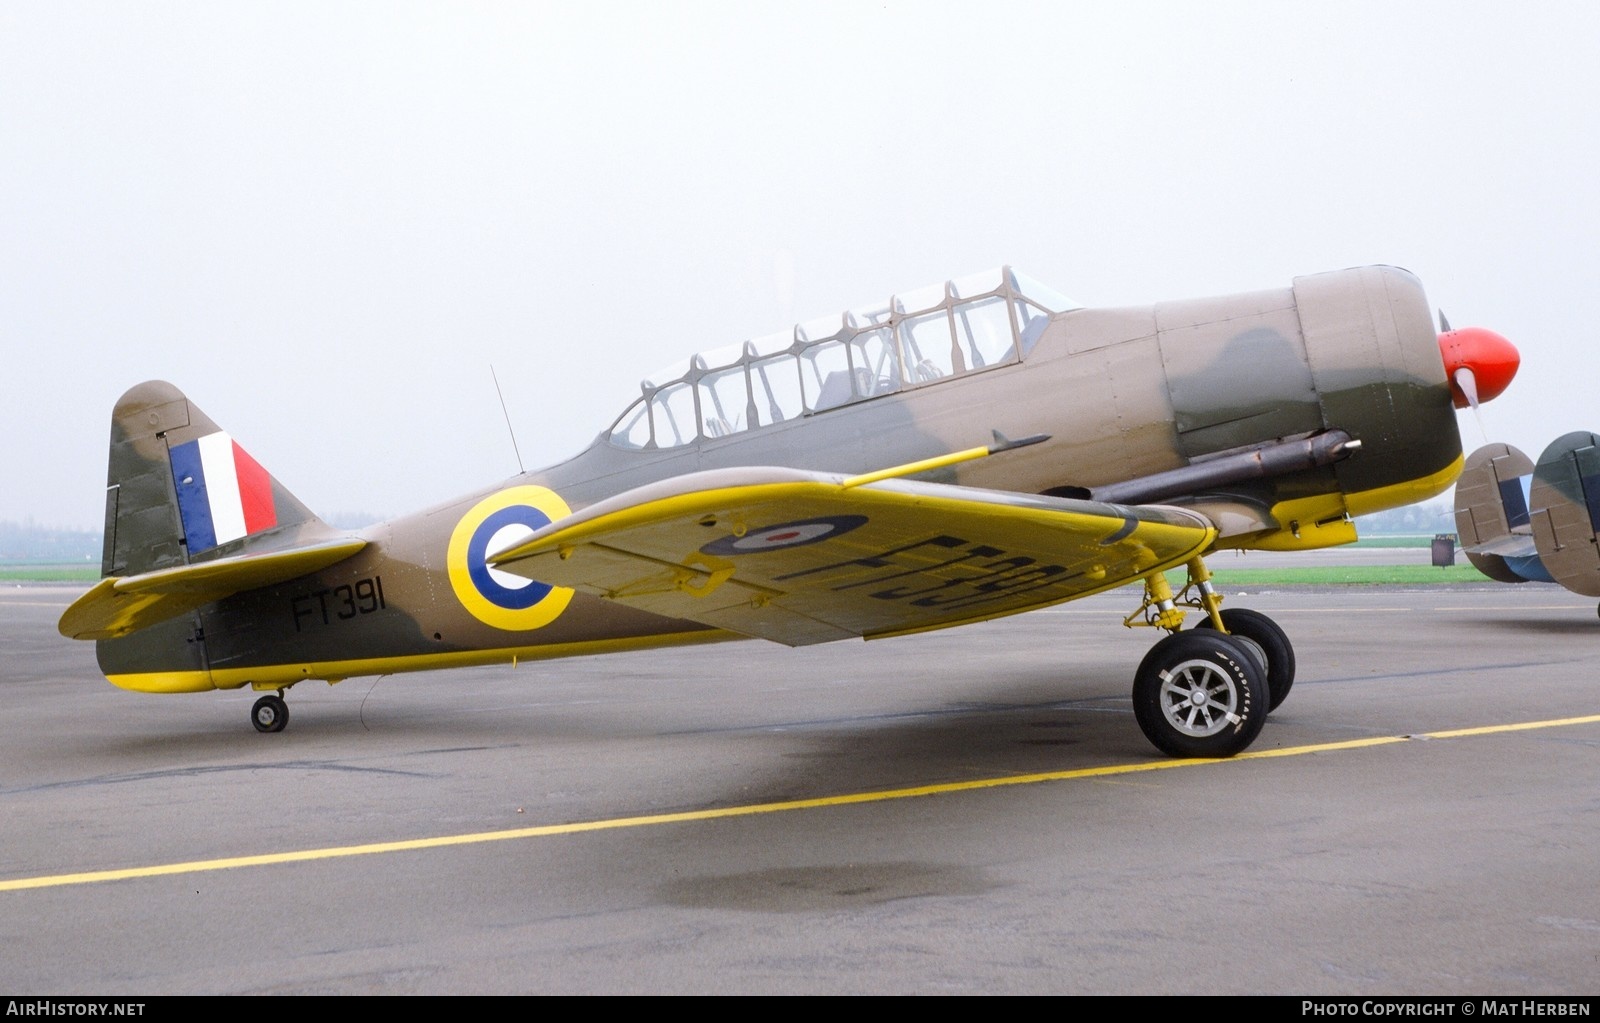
(270, 714)
(1267, 642)
(1199, 694)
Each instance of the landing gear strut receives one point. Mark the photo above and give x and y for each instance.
(1207, 693)
(271, 713)
(1266, 642)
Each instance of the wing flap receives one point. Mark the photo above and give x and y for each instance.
(801, 557)
(118, 605)
(704, 585)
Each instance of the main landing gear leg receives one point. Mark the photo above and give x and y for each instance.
(1257, 633)
(1198, 693)
(271, 713)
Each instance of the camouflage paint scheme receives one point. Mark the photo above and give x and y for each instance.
(1521, 521)
(1235, 414)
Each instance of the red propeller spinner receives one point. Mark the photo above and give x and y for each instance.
(1479, 362)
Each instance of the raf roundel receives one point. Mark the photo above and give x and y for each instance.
(494, 597)
(787, 534)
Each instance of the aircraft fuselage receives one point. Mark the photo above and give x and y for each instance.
(1122, 395)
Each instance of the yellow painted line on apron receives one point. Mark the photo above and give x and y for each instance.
(821, 802)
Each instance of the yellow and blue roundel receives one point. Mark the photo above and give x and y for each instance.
(498, 598)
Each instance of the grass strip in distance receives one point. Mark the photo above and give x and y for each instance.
(1347, 575)
(49, 573)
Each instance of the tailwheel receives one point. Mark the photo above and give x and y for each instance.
(1267, 643)
(1199, 694)
(270, 714)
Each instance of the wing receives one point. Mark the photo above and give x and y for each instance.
(800, 557)
(118, 605)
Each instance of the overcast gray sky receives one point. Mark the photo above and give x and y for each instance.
(326, 221)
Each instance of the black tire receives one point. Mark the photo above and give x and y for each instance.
(1267, 642)
(1199, 694)
(270, 714)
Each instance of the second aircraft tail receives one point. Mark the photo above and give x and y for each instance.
(1519, 521)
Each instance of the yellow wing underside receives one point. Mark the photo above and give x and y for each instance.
(804, 558)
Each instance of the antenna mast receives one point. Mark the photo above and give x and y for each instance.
(517, 451)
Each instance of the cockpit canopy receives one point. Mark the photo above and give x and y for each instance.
(944, 330)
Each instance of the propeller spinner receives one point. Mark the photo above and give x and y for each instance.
(1479, 363)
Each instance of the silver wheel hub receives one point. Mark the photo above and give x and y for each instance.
(1198, 698)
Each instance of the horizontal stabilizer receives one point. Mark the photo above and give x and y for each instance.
(1502, 570)
(118, 605)
(800, 557)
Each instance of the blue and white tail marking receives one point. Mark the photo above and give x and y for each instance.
(223, 493)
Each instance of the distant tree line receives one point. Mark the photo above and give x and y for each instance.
(1431, 518)
(29, 541)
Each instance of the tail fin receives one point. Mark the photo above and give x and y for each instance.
(179, 489)
(1519, 521)
(190, 519)
(1565, 512)
(1492, 515)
